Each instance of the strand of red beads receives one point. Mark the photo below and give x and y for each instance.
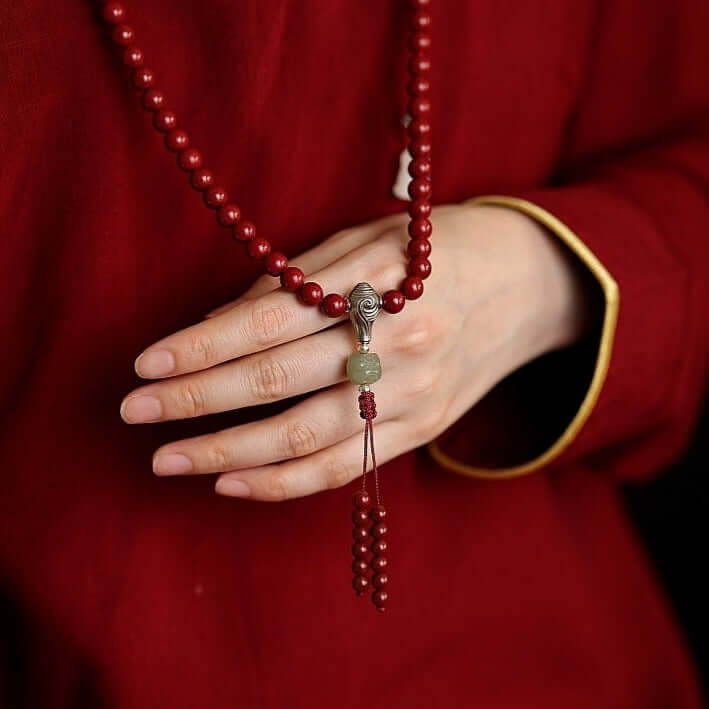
(229, 214)
(370, 523)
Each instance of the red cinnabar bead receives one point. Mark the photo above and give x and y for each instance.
(420, 188)
(143, 78)
(419, 128)
(165, 121)
(244, 231)
(361, 500)
(379, 547)
(276, 263)
(360, 517)
(419, 248)
(418, 85)
(378, 513)
(133, 57)
(380, 598)
(114, 13)
(153, 100)
(419, 106)
(258, 248)
(360, 566)
(393, 301)
(420, 4)
(215, 197)
(360, 534)
(379, 563)
(379, 530)
(360, 550)
(380, 580)
(311, 293)
(292, 278)
(360, 584)
(412, 287)
(201, 179)
(420, 147)
(420, 267)
(189, 159)
(420, 209)
(420, 42)
(334, 305)
(228, 215)
(420, 167)
(176, 140)
(419, 64)
(123, 35)
(419, 228)
(420, 21)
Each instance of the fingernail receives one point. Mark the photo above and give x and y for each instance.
(141, 409)
(232, 488)
(155, 363)
(172, 464)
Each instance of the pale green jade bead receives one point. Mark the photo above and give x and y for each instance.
(364, 368)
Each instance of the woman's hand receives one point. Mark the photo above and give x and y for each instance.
(502, 292)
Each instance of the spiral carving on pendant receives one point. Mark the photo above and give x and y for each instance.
(365, 304)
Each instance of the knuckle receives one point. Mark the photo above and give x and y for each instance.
(416, 335)
(268, 322)
(192, 399)
(202, 350)
(336, 473)
(298, 439)
(219, 458)
(277, 487)
(271, 379)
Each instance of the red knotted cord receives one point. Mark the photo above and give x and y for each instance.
(368, 411)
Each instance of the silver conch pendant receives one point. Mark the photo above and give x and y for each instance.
(365, 304)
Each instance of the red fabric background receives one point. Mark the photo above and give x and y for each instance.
(144, 592)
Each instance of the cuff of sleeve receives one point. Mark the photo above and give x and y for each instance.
(609, 289)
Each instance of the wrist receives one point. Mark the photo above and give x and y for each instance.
(544, 292)
(572, 303)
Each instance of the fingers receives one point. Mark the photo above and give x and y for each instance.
(326, 469)
(275, 318)
(251, 326)
(281, 372)
(318, 422)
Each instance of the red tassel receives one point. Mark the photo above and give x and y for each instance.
(370, 536)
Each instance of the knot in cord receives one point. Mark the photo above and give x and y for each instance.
(367, 407)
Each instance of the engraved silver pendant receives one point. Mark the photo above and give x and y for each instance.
(365, 305)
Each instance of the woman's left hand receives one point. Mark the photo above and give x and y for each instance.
(501, 292)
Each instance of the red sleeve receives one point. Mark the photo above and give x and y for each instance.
(634, 187)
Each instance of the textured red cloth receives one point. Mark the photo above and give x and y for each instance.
(137, 592)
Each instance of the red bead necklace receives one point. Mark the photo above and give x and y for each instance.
(363, 303)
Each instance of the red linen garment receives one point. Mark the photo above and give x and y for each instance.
(137, 592)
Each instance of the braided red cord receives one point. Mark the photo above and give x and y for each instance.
(368, 411)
